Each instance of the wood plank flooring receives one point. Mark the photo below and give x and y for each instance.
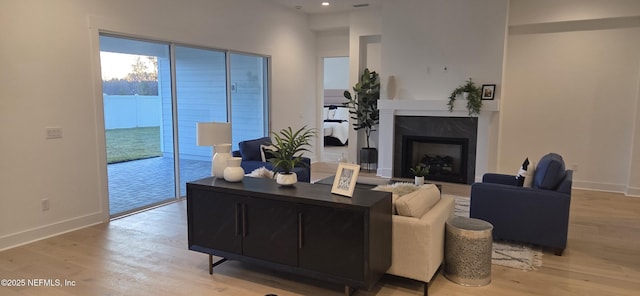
(146, 254)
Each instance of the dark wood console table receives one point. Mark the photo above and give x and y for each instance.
(302, 229)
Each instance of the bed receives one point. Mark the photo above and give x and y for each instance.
(336, 126)
(336, 118)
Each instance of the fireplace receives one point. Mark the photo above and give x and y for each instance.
(432, 118)
(446, 144)
(446, 158)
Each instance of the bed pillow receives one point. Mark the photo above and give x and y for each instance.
(331, 113)
(341, 114)
(325, 113)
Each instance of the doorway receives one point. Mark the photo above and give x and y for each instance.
(335, 129)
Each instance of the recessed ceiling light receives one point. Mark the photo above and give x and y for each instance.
(326, 3)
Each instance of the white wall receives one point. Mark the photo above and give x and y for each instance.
(364, 26)
(50, 77)
(422, 37)
(572, 87)
(336, 73)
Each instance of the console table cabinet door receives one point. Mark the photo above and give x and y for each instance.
(215, 222)
(271, 231)
(332, 241)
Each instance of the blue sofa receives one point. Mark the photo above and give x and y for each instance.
(537, 215)
(251, 154)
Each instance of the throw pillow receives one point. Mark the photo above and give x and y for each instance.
(265, 152)
(550, 172)
(531, 171)
(400, 188)
(419, 202)
(525, 174)
(397, 190)
(250, 150)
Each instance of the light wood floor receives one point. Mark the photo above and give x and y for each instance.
(146, 254)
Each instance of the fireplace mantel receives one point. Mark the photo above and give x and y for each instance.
(389, 109)
(435, 106)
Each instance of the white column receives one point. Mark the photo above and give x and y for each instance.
(385, 143)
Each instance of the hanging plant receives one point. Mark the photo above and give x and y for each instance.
(474, 99)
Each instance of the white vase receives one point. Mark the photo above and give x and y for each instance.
(286, 179)
(419, 181)
(233, 172)
(221, 153)
(465, 95)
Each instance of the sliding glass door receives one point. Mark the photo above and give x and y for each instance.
(137, 102)
(249, 93)
(154, 94)
(201, 87)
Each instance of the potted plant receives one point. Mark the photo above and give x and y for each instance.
(364, 110)
(471, 93)
(419, 171)
(289, 146)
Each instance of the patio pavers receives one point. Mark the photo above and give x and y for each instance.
(139, 183)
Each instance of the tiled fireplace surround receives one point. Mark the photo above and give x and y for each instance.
(389, 109)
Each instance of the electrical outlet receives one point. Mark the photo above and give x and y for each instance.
(45, 204)
(54, 132)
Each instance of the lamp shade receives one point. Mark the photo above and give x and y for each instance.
(212, 133)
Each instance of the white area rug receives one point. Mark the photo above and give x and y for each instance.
(505, 254)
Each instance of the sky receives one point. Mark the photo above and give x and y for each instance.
(118, 65)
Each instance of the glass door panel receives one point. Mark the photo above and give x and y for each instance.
(201, 88)
(137, 107)
(249, 97)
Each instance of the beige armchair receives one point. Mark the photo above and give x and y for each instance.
(418, 243)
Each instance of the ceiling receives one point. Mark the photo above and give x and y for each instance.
(315, 7)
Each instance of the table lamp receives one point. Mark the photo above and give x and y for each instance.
(218, 135)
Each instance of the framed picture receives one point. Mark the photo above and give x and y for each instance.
(488, 91)
(345, 180)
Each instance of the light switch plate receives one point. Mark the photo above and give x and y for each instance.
(54, 132)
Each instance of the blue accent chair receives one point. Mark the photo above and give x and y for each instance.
(537, 215)
(250, 152)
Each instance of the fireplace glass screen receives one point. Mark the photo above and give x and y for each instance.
(445, 157)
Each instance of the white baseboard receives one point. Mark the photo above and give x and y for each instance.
(607, 187)
(632, 191)
(35, 234)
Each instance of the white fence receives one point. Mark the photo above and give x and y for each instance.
(132, 111)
